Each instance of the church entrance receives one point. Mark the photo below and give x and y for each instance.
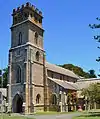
(17, 104)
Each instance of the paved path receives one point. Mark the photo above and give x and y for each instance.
(59, 116)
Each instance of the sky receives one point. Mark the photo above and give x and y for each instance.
(67, 36)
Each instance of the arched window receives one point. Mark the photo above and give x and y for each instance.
(54, 99)
(38, 98)
(18, 74)
(20, 39)
(36, 38)
(37, 55)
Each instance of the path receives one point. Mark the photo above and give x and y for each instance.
(59, 116)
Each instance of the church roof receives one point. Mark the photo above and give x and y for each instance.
(61, 70)
(64, 84)
(86, 82)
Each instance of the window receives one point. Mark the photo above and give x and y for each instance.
(15, 20)
(40, 21)
(54, 99)
(36, 19)
(37, 55)
(0, 94)
(38, 98)
(61, 77)
(59, 97)
(20, 39)
(31, 14)
(18, 74)
(36, 38)
(52, 75)
(18, 52)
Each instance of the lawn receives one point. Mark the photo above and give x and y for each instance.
(89, 116)
(13, 117)
(84, 117)
(52, 113)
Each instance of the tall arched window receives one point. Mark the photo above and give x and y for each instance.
(36, 38)
(20, 39)
(54, 99)
(38, 98)
(37, 55)
(18, 74)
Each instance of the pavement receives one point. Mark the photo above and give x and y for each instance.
(59, 116)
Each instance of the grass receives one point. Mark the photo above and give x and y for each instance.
(94, 115)
(5, 116)
(51, 113)
(87, 117)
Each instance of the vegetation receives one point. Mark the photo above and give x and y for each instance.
(79, 71)
(92, 93)
(96, 37)
(87, 117)
(5, 116)
(5, 78)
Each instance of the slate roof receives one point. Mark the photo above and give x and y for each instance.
(61, 70)
(64, 84)
(84, 83)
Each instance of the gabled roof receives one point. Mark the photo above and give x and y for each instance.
(61, 70)
(64, 84)
(86, 82)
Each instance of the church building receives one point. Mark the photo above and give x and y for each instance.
(34, 84)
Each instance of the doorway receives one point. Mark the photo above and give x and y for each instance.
(17, 104)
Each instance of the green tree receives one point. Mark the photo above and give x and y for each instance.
(96, 37)
(5, 78)
(92, 93)
(79, 71)
(92, 73)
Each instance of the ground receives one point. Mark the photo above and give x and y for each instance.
(92, 114)
(55, 116)
(12, 117)
(84, 117)
(42, 116)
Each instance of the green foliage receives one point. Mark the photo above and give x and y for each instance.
(92, 93)
(79, 71)
(5, 78)
(72, 97)
(92, 73)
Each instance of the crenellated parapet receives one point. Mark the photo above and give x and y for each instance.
(25, 11)
(29, 6)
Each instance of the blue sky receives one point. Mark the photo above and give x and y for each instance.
(67, 37)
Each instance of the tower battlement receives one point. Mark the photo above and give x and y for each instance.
(29, 6)
(27, 11)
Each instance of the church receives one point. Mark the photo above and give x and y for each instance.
(35, 84)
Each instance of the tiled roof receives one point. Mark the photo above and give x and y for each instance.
(86, 82)
(64, 84)
(61, 70)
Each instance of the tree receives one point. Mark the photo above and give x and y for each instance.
(79, 71)
(92, 93)
(72, 100)
(5, 78)
(92, 73)
(96, 37)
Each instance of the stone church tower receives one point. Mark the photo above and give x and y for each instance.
(27, 61)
